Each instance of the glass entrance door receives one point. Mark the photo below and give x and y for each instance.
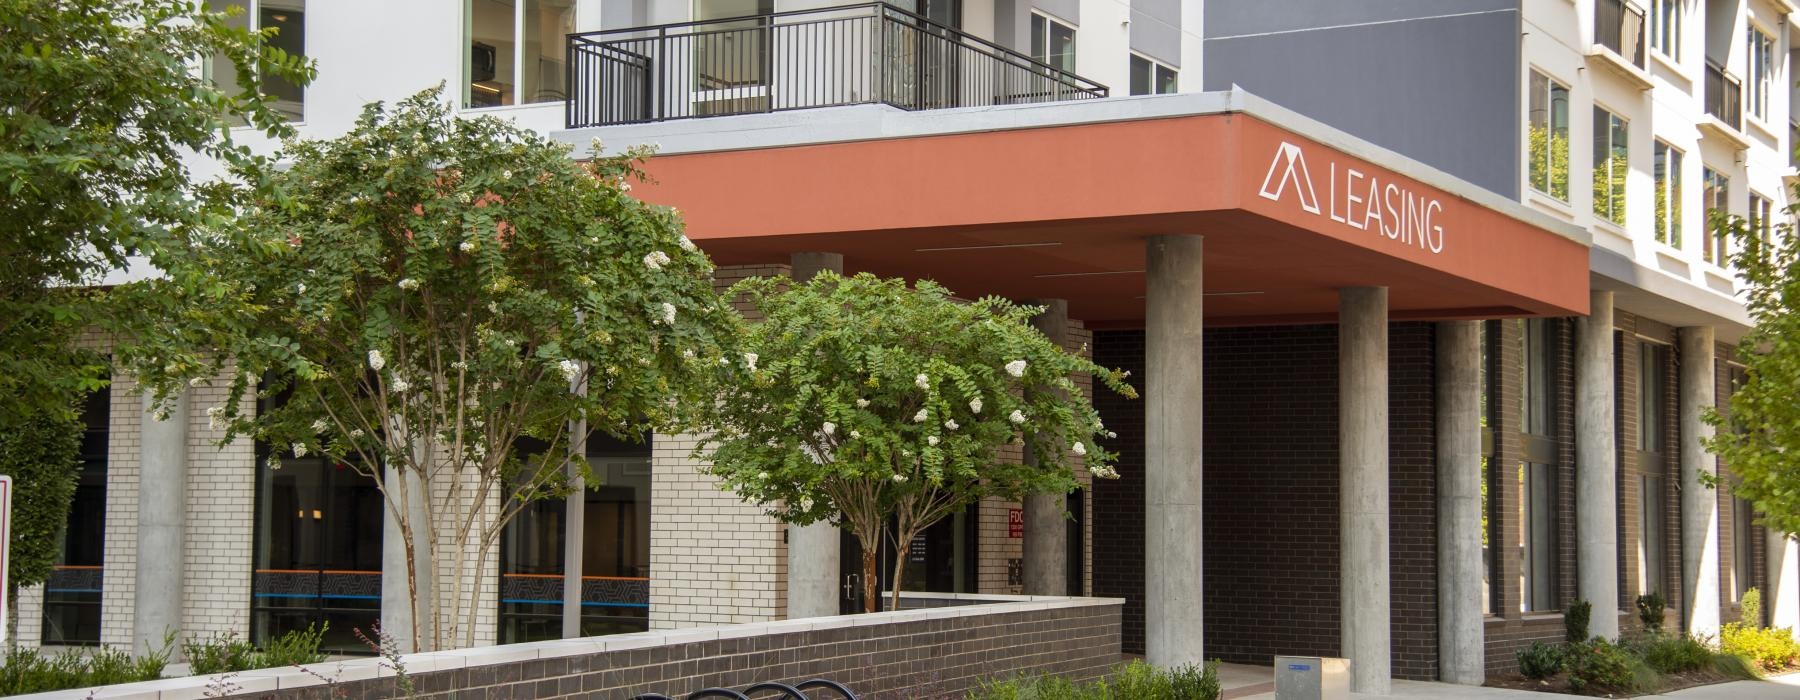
(941, 560)
(318, 552)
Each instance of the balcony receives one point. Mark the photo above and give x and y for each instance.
(1619, 41)
(857, 54)
(1724, 107)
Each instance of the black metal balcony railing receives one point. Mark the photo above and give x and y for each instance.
(1619, 26)
(1724, 96)
(854, 54)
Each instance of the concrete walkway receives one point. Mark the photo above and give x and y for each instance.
(1243, 682)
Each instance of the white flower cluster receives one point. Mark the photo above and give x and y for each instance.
(687, 245)
(319, 426)
(656, 259)
(923, 381)
(376, 361)
(829, 428)
(899, 478)
(1016, 368)
(922, 416)
(951, 424)
(750, 361)
(1017, 417)
(407, 284)
(1104, 471)
(299, 449)
(668, 314)
(862, 403)
(400, 385)
(931, 440)
(1080, 448)
(467, 245)
(570, 369)
(975, 405)
(215, 417)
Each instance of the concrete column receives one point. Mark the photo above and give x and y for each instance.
(396, 596)
(1699, 503)
(1461, 657)
(574, 527)
(1173, 300)
(161, 524)
(1782, 597)
(1363, 486)
(1046, 556)
(1596, 467)
(813, 551)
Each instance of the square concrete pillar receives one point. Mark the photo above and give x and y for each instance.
(1173, 301)
(1363, 486)
(1699, 503)
(1596, 467)
(814, 552)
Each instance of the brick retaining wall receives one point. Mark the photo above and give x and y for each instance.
(939, 652)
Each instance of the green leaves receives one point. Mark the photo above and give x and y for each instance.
(1759, 437)
(904, 392)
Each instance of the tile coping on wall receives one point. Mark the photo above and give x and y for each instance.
(270, 679)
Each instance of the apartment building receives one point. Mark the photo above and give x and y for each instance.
(1420, 297)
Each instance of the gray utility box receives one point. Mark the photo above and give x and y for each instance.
(1311, 678)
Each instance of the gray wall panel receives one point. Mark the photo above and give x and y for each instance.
(1156, 29)
(1440, 89)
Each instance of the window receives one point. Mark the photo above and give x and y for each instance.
(1668, 195)
(1053, 42)
(1743, 532)
(72, 593)
(1761, 211)
(514, 54)
(1762, 72)
(1611, 160)
(1150, 77)
(1715, 195)
(288, 19)
(1549, 138)
(615, 551)
(1653, 414)
(1665, 28)
(1538, 472)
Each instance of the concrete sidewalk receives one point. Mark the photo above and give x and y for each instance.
(1242, 682)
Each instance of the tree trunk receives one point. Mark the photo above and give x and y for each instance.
(871, 584)
(899, 568)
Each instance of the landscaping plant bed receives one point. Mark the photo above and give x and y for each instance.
(1560, 684)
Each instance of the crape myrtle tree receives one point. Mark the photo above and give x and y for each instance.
(426, 296)
(1760, 437)
(874, 405)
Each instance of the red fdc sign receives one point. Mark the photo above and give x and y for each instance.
(1015, 523)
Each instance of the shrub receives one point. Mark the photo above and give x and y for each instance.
(222, 653)
(1540, 660)
(1734, 666)
(1770, 649)
(1650, 611)
(1600, 665)
(1674, 654)
(1576, 618)
(227, 652)
(1134, 681)
(28, 671)
(1750, 612)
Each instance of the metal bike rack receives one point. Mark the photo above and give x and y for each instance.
(789, 692)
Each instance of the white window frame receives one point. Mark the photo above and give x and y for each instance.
(1155, 65)
(1670, 188)
(1613, 208)
(518, 57)
(1759, 79)
(253, 21)
(1544, 188)
(1713, 247)
(1050, 19)
(1670, 49)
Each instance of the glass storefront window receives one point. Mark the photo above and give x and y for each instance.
(515, 52)
(615, 552)
(72, 594)
(318, 551)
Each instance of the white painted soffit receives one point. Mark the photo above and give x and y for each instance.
(1665, 298)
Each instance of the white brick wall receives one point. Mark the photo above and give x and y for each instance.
(480, 582)
(713, 558)
(220, 529)
(118, 599)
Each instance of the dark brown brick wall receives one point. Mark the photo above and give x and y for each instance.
(941, 658)
(1270, 503)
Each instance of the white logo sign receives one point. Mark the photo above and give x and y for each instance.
(1389, 209)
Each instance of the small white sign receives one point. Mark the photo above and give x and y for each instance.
(6, 498)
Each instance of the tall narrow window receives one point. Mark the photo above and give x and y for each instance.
(1665, 28)
(1549, 138)
(1668, 194)
(1537, 471)
(514, 52)
(1150, 77)
(72, 593)
(288, 20)
(1715, 194)
(1743, 533)
(1653, 407)
(1611, 159)
(1053, 42)
(1761, 212)
(1762, 73)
